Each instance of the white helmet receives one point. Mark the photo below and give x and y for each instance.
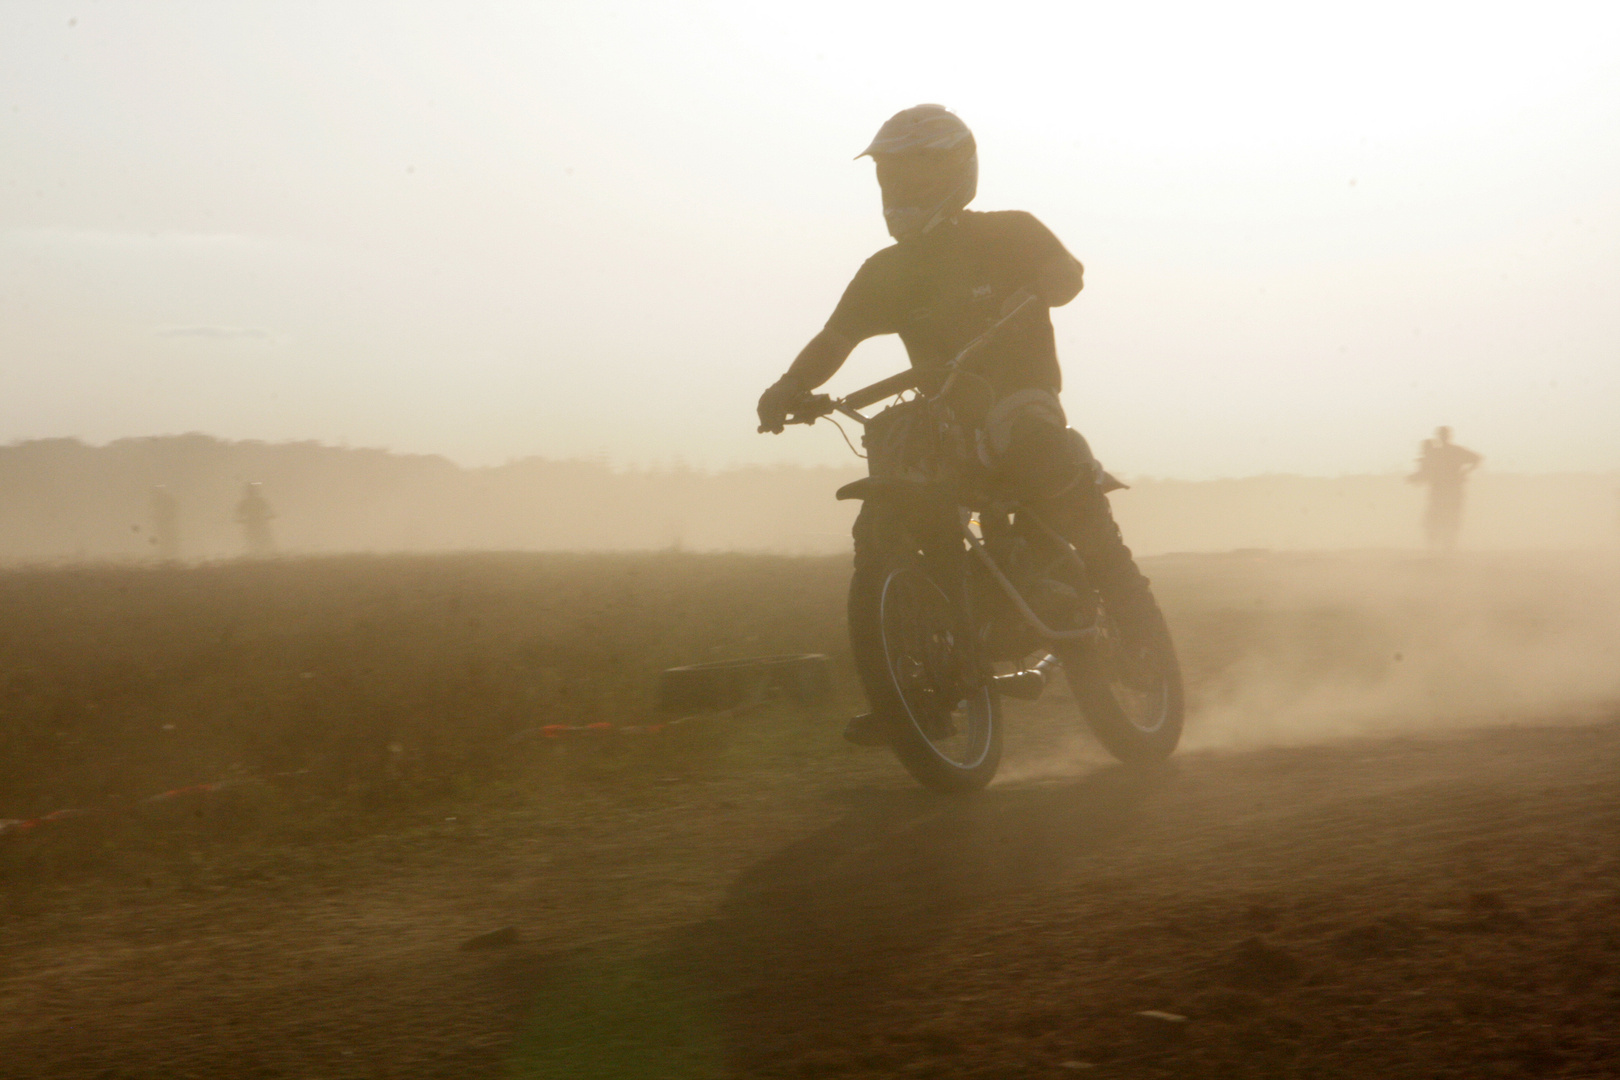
(928, 167)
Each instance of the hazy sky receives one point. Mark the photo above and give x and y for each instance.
(1311, 232)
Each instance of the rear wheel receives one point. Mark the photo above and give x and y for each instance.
(1130, 692)
(922, 677)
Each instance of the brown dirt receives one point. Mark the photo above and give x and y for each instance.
(1402, 908)
(761, 901)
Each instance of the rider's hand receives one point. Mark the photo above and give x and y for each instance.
(777, 402)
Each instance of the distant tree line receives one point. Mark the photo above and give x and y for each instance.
(61, 499)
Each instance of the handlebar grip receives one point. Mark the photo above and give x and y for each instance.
(808, 409)
(811, 407)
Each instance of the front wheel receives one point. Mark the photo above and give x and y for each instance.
(921, 674)
(1130, 692)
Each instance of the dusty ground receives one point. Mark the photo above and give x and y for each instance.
(1445, 907)
(765, 902)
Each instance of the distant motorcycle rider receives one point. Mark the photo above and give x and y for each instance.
(951, 273)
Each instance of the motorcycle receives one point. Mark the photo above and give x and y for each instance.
(958, 587)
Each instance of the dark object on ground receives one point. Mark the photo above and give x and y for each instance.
(728, 684)
(495, 939)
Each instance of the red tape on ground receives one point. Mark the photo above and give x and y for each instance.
(18, 826)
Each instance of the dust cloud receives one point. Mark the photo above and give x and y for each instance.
(1283, 650)
(1297, 649)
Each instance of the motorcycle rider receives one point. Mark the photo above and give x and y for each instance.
(952, 273)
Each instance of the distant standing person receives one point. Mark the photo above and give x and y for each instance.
(1444, 466)
(165, 523)
(253, 513)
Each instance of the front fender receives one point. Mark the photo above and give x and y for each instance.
(891, 488)
(927, 509)
(928, 497)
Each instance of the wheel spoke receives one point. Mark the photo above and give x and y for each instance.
(924, 663)
(1144, 708)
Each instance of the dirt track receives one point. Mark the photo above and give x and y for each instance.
(1438, 907)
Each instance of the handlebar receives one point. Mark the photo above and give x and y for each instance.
(813, 407)
(887, 388)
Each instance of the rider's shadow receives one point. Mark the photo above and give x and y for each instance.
(806, 941)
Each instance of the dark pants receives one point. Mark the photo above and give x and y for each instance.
(1036, 457)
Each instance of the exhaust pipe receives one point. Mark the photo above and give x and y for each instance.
(1029, 684)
